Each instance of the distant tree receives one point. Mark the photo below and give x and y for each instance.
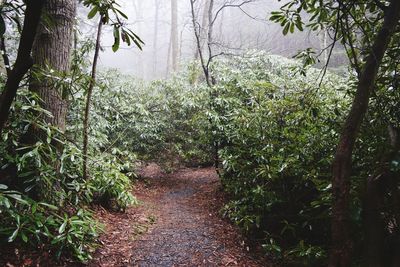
(139, 63)
(174, 35)
(204, 32)
(199, 33)
(155, 35)
(203, 27)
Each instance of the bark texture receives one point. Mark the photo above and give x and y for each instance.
(52, 49)
(341, 241)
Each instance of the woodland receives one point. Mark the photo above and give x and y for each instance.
(288, 158)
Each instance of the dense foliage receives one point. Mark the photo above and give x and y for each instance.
(160, 121)
(276, 128)
(46, 204)
(277, 132)
(43, 203)
(273, 124)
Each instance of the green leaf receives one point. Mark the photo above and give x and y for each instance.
(7, 203)
(62, 227)
(34, 207)
(286, 29)
(13, 236)
(3, 187)
(48, 205)
(93, 12)
(24, 237)
(18, 198)
(121, 13)
(115, 46)
(299, 24)
(291, 27)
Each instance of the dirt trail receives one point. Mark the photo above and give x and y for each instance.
(176, 225)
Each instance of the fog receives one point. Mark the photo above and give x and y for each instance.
(236, 30)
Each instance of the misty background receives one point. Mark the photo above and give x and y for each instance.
(236, 30)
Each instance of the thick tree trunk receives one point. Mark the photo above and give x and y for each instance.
(341, 242)
(88, 99)
(24, 61)
(174, 34)
(52, 49)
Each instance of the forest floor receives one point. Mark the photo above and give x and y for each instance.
(177, 224)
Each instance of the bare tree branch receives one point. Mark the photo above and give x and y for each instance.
(228, 5)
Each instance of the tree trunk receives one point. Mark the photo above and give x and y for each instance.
(341, 242)
(174, 34)
(203, 27)
(52, 49)
(24, 61)
(373, 222)
(197, 35)
(210, 32)
(155, 37)
(88, 99)
(168, 58)
(378, 187)
(140, 66)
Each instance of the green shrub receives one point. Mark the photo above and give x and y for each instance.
(26, 220)
(46, 203)
(109, 185)
(162, 121)
(277, 135)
